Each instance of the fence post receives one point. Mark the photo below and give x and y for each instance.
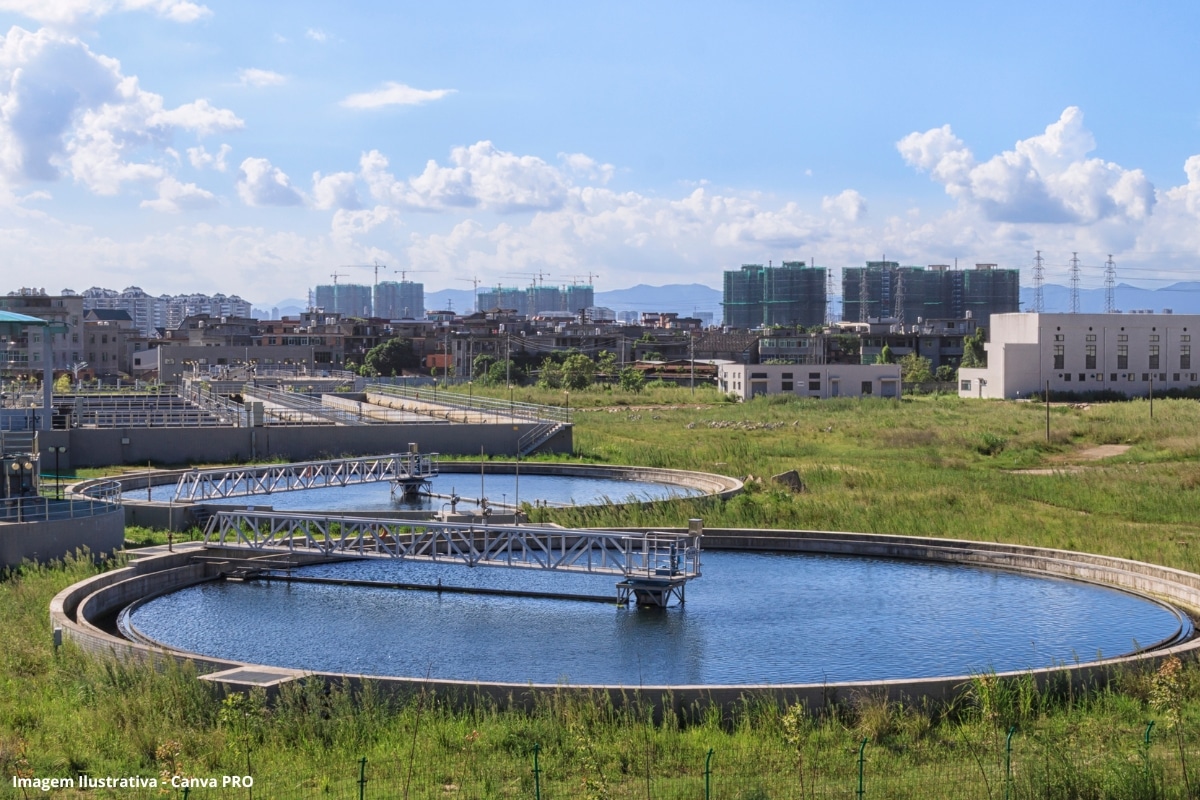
(362, 778)
(707, 773)
(537, 773)
(1146, 749)
(862, 748)
(1008, 762)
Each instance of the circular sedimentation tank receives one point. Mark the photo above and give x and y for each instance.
(900, 616)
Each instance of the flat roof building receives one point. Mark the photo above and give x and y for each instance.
(1080, 353)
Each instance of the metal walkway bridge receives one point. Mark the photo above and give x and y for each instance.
(653, 567)
(410, 472)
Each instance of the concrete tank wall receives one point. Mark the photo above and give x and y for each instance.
(101, 533)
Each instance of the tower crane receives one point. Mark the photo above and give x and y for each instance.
(376, 266)
(474, 281)
(404, 272)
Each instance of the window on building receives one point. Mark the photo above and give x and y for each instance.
(1058, 337)
(1145, 376)
(1059, 356)
(1122, 337)
(1082, 377)
(964, 385)
(787, 386)
(1154, 337)
(1091, 337)
(1089, 356)
(1113, 377)
(1153, 357)
(866, 387)
(813, 375)
(787, 376)
(1066, 377)
(759, 375)
(1122, 356)
(1175, 377)
(814, 386)
(1185, 356)
(1187, 337)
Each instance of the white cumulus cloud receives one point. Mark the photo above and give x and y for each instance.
(65, 110)
(849, 204)
(200, 158)
(479, 176)
(174, 197)
(394, 94)
(261, 184)
(260, 77)
(336, 191)
(1046, 178)
(70, 12)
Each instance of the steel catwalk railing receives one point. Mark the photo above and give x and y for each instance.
(199, 485)
(303, 404)
(468, 402)
(45, 509)
(646, 556)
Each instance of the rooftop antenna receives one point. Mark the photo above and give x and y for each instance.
(1039, 277)
(1110, 286)
(1074, 283)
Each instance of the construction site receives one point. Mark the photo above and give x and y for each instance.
(908, 294)
(790, 294)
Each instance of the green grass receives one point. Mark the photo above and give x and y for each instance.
(926, 466)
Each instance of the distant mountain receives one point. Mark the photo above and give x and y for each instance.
(689, 298)
(681, 298)
(290, 307)
(460, 300)
(1181, 298)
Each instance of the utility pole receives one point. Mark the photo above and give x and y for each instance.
(1074, 283)
(1110, 286)
(1039, 277)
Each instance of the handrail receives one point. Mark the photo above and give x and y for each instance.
(528, 411)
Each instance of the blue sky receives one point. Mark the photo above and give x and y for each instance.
(255, 148)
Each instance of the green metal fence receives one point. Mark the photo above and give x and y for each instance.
(1131, 763)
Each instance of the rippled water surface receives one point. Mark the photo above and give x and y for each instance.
(751, 618)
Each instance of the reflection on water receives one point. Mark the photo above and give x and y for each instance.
(751, 618)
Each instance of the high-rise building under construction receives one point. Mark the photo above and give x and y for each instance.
(884, 289)
(790, 294)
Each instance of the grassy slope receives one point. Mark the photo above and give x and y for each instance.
(928, 466)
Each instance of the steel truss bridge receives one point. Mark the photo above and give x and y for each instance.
(653, 567)
(409, 472)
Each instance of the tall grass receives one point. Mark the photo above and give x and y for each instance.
(927, 466)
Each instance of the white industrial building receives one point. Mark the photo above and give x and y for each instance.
(1126, 353)
(810, 380)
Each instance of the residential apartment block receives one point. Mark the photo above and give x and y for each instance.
(887, 290)
(790, 294)
(1125, 353)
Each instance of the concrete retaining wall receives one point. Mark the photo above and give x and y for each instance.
(1178, 588)
(96, 447)
(103, 532)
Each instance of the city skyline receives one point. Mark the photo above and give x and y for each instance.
(204, 147)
